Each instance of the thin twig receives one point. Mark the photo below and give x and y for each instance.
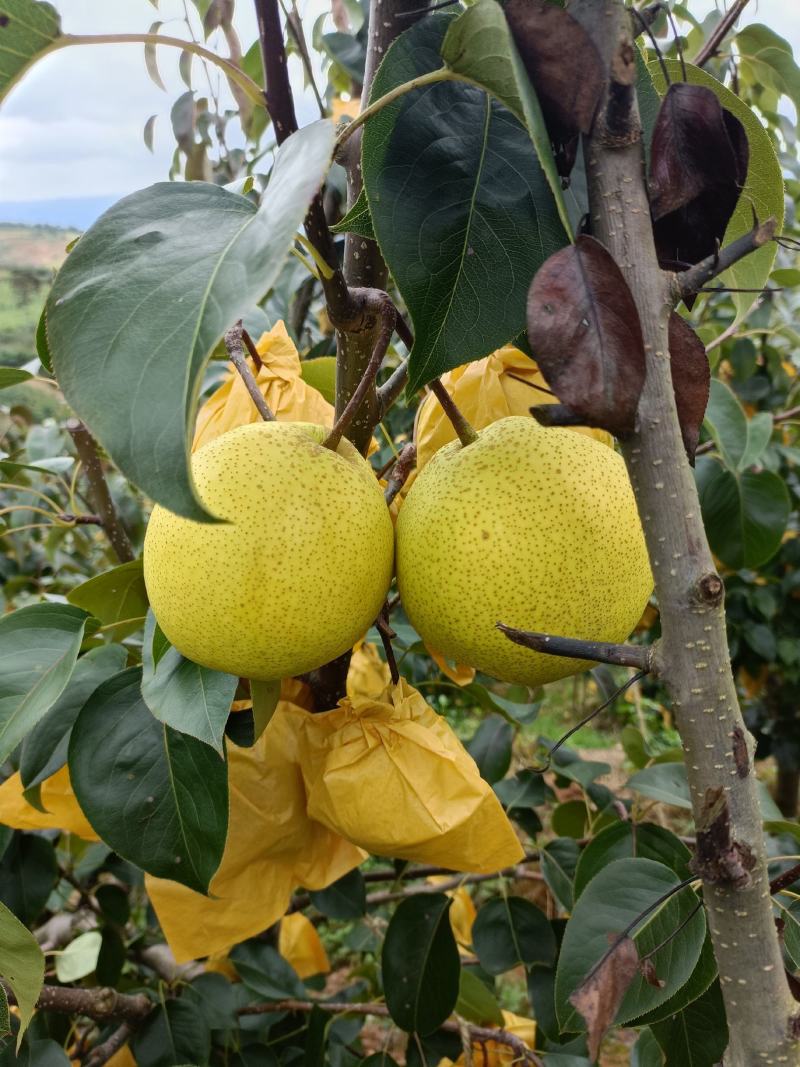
(102, 1053)
(478, 1034)
(234, 343)
(466, 433)
(401, 468)
(386, 632)
(392, 387)
(639, 656)
(295, 26)
(687, 282)
(79, 520)
(250, 345)
(98, 492)
(711, 47)
(385, 309)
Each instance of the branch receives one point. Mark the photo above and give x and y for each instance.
(100, 1003)
(638, 656)
(295, 26)
(98, 493)
(79, 520)
(477, 1034)
(687, 282)
(392, 387)
(102, 1053)
(711, 47)
(381, 305)
(235, 345)
(466, 433)
(400, 471)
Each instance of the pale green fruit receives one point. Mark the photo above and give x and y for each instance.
(533, 527)
(298, 573)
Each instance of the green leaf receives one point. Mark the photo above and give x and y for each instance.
(476, 1002)
(647, 1051)
(479, 45)
(13, 376)
(346, 898)
(509, 931)
(759, 432)
(26, 32)
(696, 1036)
(28, 875)
(192, 699)
(420, 963)
(726, 421)
(140, 303)
(358, 219)
(622, 840)
(771, 60)
(113, 901)
(265, 700)
(5, 1022)
(558, 860)
(762, 193)
(491, 748)
(461, 207)
(663, 781)
(44, 750)
(173, 1033)
(701, 978)
(38, 649)
(266, 972)
(21, 966)
(320, 373)
(612, 900)
(79, 958)
(117, 598)
(635, 747)
(158, 797)
(526, 789)
(745, 515)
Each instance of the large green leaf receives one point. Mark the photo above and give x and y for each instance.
(625, 839)
(665, 782)
(696, 1036)
(13, 375)
(21, 966)
(44, 750)
(38, 649)
(762, 193)
(745, 514)
(28, 875)
(266, 972)
(174, 1033)
(147, 292)
(476, 1002)
(27, 29)
(117, 598)
(770, 59)
(158, 797)
(191, 699)
(420, 963)
(479, 46)
(511, 931)
(741, 441)
(79, 958)
(612, 900)
(460, 205)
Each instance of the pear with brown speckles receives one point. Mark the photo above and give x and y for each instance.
(297, 573)
(531, 526)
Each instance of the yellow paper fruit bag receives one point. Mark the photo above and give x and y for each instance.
(62, 809)
(272, 847)
(300, 946)
(505, 383)
(288, 397)
(123, 1058)
(390, 775)
(495, 1054)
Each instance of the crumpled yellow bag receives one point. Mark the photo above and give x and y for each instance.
(300, 945)
(368, 675)
(492, 1053)
(289, 398)
(63, 811)
(272, 847)
(485, 391)
(390, 775)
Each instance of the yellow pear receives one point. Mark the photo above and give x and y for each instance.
(533, 527)
(297, 573)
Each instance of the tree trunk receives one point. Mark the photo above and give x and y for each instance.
(693, 659)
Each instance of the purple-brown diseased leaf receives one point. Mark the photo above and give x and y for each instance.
(698, 166)
(599, 996)
(691, 380)
(553, 46)
(584, 328)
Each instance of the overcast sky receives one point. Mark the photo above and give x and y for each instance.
(73, 127)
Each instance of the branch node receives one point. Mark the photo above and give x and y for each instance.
(688, 282)
(639, 656)
(400, 471)
(234, 342)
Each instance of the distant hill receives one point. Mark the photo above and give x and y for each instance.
(74, 213)
(29, 256)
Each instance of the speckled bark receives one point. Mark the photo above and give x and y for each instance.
(694, 661)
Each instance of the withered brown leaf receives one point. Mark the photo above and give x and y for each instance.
(599, 996)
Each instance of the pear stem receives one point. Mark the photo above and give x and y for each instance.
(466, 433)
(234, 342)
(400, 470)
